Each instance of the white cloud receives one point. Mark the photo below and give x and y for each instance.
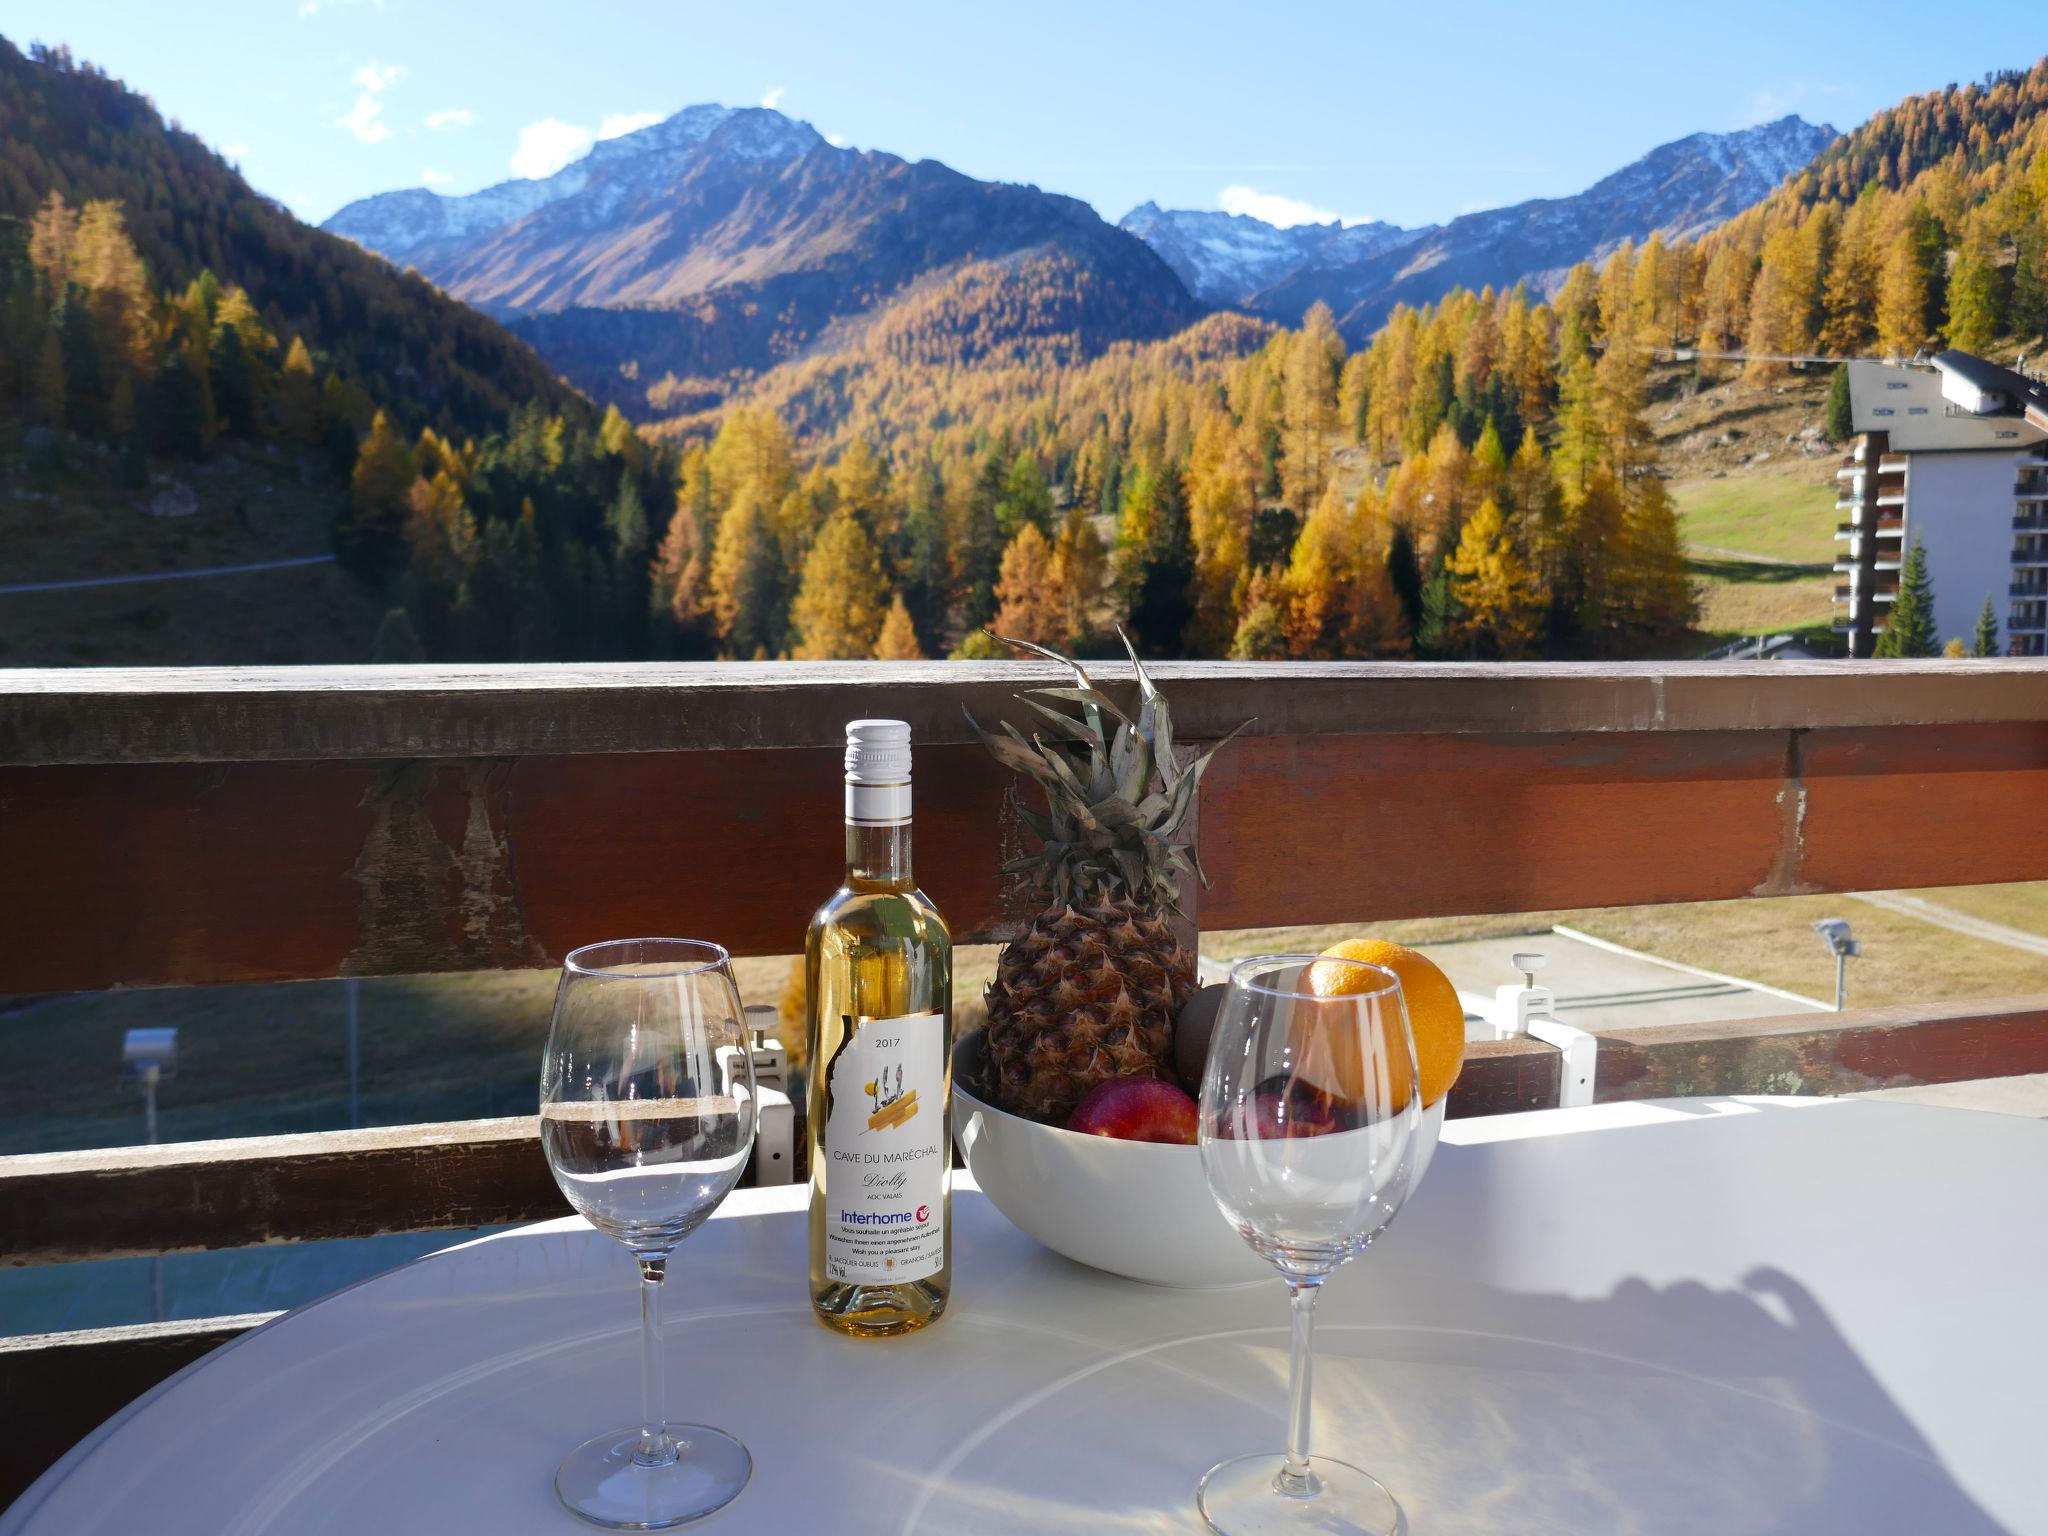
(774, 98)
(451, 117)
(433, 178)
(235, 151)
(361, 119)
(311, 8)
(1284, 212)
(548, 145)
(836, 140)
(626, 122)
(1774, 102)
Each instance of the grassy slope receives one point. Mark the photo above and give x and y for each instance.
(2017, 906)
(1768, 940)
(1749, 483)
(74, 519)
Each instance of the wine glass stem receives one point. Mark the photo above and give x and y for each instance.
(1296, 1478)
(657, 1449)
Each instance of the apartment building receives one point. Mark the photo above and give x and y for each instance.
(1951, 454)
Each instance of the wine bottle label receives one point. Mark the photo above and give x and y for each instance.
(878, 805)
(885, 1150)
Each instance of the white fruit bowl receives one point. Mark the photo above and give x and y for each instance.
(1135, 1208)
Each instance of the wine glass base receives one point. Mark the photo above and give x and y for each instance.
(1242, 1497)
(601, 1481)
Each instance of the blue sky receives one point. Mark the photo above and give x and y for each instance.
(1407, 112)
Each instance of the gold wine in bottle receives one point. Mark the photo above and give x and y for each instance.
(878, 964)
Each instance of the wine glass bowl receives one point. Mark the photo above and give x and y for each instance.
(1310, 1135)
(647, 1115)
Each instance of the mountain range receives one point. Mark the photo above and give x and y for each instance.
(1362, 271)
(724, 241)
(728, 239)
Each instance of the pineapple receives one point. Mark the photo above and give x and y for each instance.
(1090, 990)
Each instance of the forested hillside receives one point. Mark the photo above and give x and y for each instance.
(68, 129)
(1923, 227)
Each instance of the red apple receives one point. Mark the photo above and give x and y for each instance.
(1283, 1110)
(1136, 1109)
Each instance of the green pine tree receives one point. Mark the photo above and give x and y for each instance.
(396, 640)
(1986, 641)
(181, 404)
(1909, 631)
(625, 522)
(234, 383)
(1165, 569)
(1404, 571)
(1841, 425)
(1024, 499)
(1436, 631)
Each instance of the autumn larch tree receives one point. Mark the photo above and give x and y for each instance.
(1080, 566)
(370, 534)
(1500, 609)
(746, 581)
(898, 638)
(842, 601)
(678, 588)
(1029, 602)
(1262, 631)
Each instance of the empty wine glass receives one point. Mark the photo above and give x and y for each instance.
(647, 1116)
(1308, 1129)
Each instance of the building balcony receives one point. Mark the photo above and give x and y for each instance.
(208, 827)
(1891, 498)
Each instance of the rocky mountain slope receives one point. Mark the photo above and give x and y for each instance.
(727, 240)
(1361, 272)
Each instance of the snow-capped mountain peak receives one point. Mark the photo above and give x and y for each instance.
(1681, 189)
(401, 224)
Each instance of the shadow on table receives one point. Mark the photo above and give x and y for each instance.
(1739, 1411)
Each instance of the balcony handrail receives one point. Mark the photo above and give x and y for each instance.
(53, 716)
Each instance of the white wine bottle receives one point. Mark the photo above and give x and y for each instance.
(878, 967)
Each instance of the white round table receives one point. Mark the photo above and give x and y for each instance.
(1728, 1316)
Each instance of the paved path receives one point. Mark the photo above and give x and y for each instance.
(1599, 985)
(1719, 553)
(126, 581)
(1956, 922)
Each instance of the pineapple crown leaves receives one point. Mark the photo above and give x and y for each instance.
(1114, 794)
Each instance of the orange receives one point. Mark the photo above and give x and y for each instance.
(1435, 1015)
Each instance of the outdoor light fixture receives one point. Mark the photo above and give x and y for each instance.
(148, 1056)
(1834, 932)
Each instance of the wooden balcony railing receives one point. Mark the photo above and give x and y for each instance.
(197, 826)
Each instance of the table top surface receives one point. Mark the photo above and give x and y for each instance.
(1728, 1316)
